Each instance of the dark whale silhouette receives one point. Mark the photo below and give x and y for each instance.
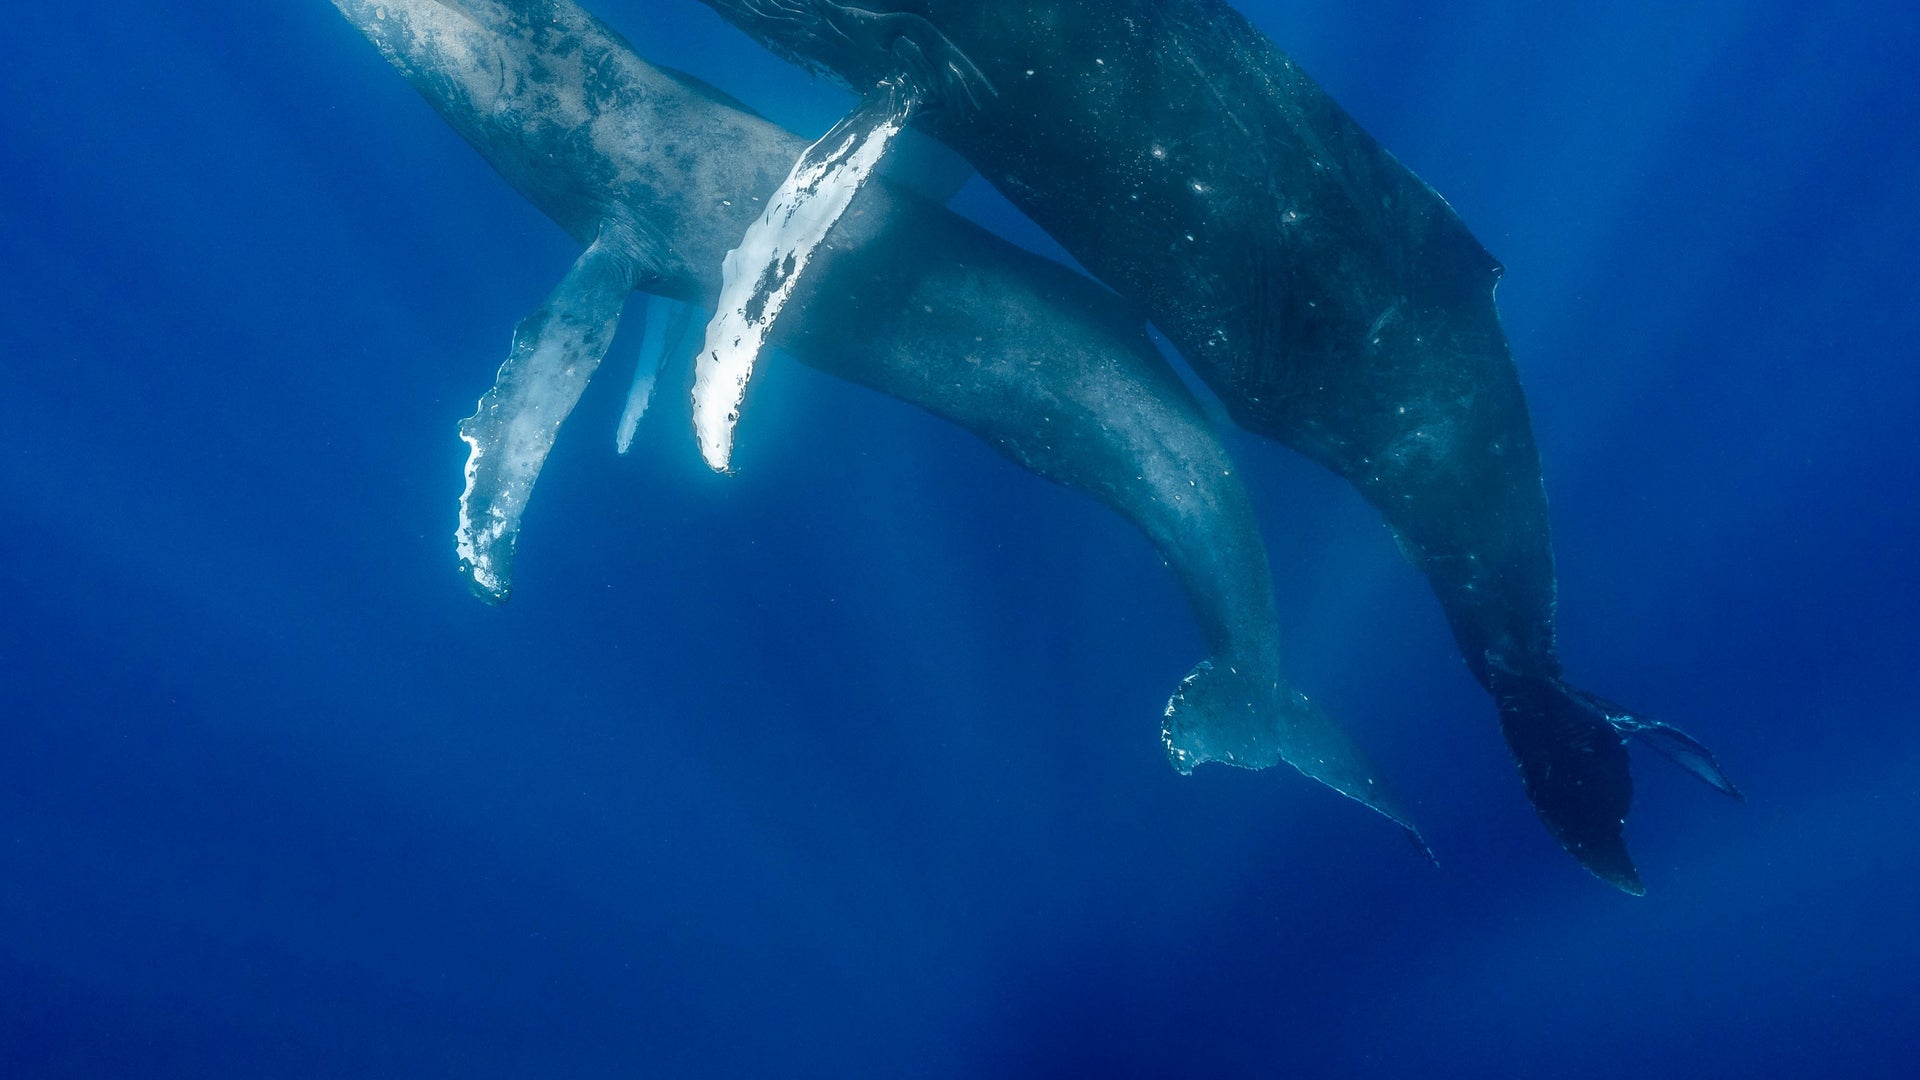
(1331, 299)
(655, 173)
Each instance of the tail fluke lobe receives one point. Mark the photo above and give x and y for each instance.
(1574, 766)
(1228, 714)
(1571, 747)
(1673, 744)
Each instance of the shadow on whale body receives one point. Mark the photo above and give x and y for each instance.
(655, 174)
(1332, 300)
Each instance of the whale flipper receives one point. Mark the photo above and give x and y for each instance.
(665, 337)
(1236, 717)
(555, 352)
(1571, 748)
(921, 69)
(761, 274)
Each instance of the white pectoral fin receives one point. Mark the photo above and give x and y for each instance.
(555, 351)
(760, 275)
(665, 339)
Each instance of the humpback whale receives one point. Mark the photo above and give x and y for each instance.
(1331, 299)
(652, 172)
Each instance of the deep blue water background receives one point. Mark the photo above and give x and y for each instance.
(849, 765)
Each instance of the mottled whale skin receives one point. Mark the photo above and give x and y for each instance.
(656, 173)
(1331, 298)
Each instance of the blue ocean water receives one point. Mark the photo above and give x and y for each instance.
(849, 765)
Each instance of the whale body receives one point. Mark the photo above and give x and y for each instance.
(655, 173)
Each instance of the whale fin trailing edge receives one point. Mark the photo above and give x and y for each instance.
(555, 351)
(1571, 748)
(1673, 744)
(1221, 713)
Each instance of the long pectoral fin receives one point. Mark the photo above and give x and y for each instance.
(665, 339)
(761, 274)
(555, 351)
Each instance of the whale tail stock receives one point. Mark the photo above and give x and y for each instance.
(1235, 716)
(1571, 749)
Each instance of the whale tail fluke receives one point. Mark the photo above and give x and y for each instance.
(1230, 715)
(1571, 748)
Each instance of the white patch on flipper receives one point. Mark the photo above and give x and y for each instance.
(760, 275)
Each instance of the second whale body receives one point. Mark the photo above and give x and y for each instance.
(1332, 300)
